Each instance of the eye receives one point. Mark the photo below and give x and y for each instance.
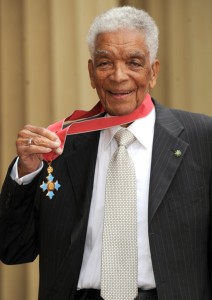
(135, 63)
(103, 64)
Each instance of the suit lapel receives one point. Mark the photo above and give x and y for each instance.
(81, 166)
(165, 162)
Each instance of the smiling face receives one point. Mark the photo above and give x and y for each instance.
(121, 71)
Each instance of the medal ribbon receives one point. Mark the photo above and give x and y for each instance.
(86, 121)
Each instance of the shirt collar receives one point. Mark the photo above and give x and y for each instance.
(141, 128)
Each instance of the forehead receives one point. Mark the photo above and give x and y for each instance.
(120, 41)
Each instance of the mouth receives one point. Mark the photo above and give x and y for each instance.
(120, 93)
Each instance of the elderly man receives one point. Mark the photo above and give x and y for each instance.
(125, 211)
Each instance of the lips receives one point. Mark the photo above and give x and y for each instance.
(116, 93)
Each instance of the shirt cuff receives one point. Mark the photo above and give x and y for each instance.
(25, 179)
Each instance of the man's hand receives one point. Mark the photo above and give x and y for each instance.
(31, 144)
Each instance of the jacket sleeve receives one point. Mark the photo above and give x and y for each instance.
(18, 222)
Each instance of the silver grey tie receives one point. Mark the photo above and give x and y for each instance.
(119, 249)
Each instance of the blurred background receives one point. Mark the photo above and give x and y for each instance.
(43, 75)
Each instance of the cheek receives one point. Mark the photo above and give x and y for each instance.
(98, 82)
(145, 80)
(100, 90)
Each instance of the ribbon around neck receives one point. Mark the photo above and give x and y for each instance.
(81, 121)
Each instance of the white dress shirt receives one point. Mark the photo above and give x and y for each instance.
(141, 154)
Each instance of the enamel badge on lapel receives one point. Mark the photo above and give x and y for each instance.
(50, 185)
(177, 153)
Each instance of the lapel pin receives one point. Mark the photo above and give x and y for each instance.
(177, 153)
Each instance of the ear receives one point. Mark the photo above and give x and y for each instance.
(154, 73)
(91, 73)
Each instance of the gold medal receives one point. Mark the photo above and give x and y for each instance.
(50, 185)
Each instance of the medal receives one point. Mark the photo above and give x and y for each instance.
(50, 185)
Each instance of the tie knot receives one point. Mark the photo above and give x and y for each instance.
(124, 137)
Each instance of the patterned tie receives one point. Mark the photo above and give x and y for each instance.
(119, 249)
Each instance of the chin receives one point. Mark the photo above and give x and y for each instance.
(120, 112)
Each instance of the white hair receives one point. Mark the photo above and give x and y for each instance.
(125, 17)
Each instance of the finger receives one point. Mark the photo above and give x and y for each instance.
(42, 132)
(58, 151)
(33, 149)
(36, 144)
(32, 135)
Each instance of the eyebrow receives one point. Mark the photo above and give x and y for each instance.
(101, 52)
(133, 54)
(136, 53)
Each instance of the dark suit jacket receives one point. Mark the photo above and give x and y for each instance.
(180, 221)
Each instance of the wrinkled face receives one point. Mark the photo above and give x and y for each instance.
(121, 71)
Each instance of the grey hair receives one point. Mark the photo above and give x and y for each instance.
(125, 17)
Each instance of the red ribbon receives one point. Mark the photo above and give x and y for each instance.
(81, 121)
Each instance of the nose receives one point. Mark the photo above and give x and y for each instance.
(119, 73)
